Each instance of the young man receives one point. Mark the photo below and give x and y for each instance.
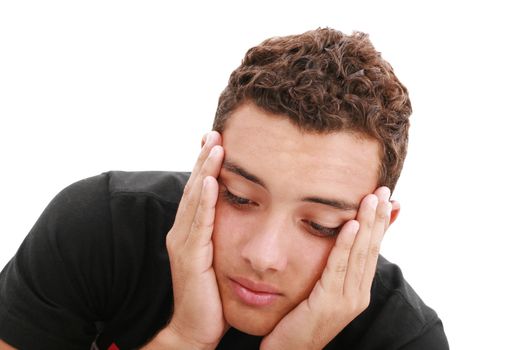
(276, 234)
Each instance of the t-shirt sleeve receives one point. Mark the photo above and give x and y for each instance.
(56, 287)
(432, 338)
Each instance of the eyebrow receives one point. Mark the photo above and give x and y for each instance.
(334, 203)
(237, 169)
(337, 204)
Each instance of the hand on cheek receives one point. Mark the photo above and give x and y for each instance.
(343, 291)
(198, 318)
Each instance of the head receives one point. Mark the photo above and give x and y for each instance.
(324, 81)
(311, 124)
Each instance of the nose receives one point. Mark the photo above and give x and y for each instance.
(266, 248)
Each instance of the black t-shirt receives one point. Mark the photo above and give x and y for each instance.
(94, 272)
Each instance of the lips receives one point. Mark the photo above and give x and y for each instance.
(254, 293)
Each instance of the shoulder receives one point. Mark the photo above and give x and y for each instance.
(92, 255)
(92, 215)
(390, 285)
(403, 312)
(112, 210)
(163, 185)
(94, 201)
(395, 318)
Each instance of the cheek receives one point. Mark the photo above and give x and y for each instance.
(230, 229)
(220, 224)
(309, 261)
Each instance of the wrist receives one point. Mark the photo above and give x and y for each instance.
(168, 339)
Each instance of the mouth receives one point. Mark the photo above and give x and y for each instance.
(253, 293)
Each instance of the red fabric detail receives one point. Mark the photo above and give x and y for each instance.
(113, 346)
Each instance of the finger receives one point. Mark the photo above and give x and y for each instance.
(382, 218)
(202, 225)
(212, 138)
(333, 277)
(208, 141)
(190, 202)
(360, 249)
(383, 194)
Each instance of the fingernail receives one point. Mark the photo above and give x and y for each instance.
(206, 182)
(355, 226)
(208, 137)
(374, 202)
(214, 151)
(384, 192)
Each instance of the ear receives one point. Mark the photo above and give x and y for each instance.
(396, 208)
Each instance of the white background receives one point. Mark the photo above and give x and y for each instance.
(91, 86)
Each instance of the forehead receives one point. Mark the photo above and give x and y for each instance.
(274, 149)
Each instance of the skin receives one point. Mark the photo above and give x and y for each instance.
(268, 240)
(323, 282)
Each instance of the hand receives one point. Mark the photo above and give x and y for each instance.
(343, 292)
(198, 316)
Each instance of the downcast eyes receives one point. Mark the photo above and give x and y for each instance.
(312, 227)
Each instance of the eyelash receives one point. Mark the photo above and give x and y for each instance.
(324, 231)
(313, 227)
(236, 200)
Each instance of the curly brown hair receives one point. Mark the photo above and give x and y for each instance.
(325, 81)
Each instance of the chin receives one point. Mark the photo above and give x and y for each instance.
(249, 322)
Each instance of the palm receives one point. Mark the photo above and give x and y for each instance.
(303, 319)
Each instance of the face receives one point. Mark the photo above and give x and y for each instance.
(283, 196)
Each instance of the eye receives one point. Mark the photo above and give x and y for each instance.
(236, 200)
(322, 231)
